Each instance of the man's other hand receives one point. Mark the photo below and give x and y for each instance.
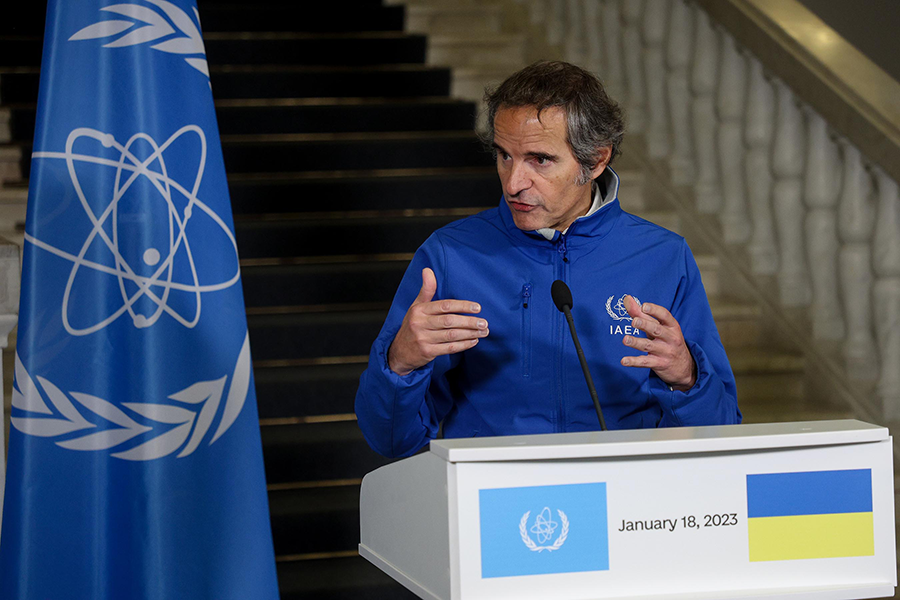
(431, 329)
(667, 353)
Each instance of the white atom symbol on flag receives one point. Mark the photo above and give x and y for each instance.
(544, 526)
(133, 167)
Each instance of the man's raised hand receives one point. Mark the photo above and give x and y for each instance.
(667, 353)
(431, 329)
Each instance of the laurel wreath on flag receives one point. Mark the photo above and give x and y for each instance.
(564, 533)
(154, 26)
(172, 424)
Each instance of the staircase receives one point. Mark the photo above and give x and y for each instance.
(345, 149)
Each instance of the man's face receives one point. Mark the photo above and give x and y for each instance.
(538, 170)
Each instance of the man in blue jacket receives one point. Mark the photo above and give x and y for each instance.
(473, 343)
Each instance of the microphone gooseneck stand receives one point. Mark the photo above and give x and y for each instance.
(562, 298)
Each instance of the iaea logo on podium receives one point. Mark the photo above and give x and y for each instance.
(543, 529)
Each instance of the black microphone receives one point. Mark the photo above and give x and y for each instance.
(562, 298)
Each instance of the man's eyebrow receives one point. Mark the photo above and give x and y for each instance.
(543, 155)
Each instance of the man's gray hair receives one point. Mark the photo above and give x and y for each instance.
(593, 120)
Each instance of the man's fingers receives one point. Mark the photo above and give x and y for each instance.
(451, 306)
(640, 343)
(448, 336)
(647, 361)
(452, 348)
(648, 325)
(633, 308)
(452, 321)
(659, 313)
(429, 287)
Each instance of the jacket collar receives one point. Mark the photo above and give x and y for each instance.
(592, 226)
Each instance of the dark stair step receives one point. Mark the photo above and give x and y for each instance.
(19, 85)
(407, 189)
(283, 81)
(344, 116)
(274, 81)
(322, 284)
(326, 152)
(321, 389)
(299, 16)
(247, 48)
(20, 51)
(318, 519)
(317, 452)
(314, 49)
(263, 239)
(308, 336)
(312, 116)
(27, 18)
(23, 18)
(345, 578)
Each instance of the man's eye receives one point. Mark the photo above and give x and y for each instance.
(542, 160)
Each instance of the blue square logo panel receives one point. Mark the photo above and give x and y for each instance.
(543, 529)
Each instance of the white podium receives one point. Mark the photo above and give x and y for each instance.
(786, 510)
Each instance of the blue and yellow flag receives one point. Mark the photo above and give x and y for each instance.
(135, 464)
(813, 514)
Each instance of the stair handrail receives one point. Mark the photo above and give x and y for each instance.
(855, 96)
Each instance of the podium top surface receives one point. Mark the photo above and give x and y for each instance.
(670, 440)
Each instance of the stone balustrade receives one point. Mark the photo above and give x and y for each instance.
(805, 204)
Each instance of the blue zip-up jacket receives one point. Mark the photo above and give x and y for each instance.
(525, 377)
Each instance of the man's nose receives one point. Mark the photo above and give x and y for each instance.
(519, 179)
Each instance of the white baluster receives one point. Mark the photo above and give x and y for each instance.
(593, 31)
(678, 59)
(574, 33)
(656, 14)
(758, 134)
(821, 187)
(886, 261)
(632, 12)
(787, 200)
(703, 83)
(856, 213)
(612, 74)
(538, 11)
(731, 104)
(556, 22)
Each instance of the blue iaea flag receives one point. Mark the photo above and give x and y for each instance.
(135, 463)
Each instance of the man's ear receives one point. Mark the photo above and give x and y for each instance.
(603, 157)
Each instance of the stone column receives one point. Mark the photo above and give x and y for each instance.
(678, 60)
(704, 77)
(886, 260)
(787, 199)
(856, 222)
(759, 133)
(820, 190)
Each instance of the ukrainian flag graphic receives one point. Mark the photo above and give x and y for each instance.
(813, 514)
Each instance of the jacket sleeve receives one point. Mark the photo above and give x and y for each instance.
(713, 399)
(398, 415)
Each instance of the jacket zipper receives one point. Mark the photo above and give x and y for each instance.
(526, 330)
(563, 251)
